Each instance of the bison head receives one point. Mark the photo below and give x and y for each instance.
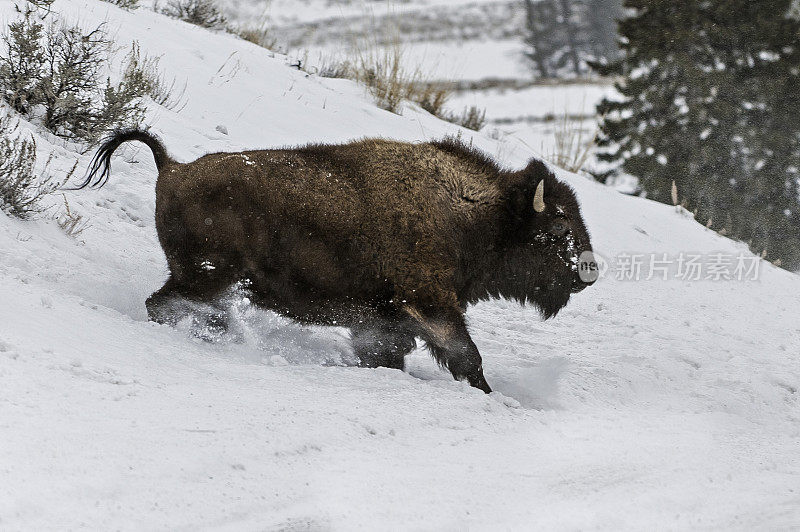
(547, 255)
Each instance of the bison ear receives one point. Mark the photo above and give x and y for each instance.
(518, 193)
(525, 188)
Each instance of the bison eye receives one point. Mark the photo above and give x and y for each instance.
(559, 228)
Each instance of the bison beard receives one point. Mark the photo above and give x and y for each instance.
(390, 239)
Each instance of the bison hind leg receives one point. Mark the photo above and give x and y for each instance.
(166, 305)
(176, 300)
(382, 346)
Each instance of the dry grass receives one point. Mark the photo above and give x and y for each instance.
(381, 70)
(72, 223)
(573, 146)
(390, 82)
(432, 97)
(259, 34)
(471, 117)
(335, 68)
(388, 77)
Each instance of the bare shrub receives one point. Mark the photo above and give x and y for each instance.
(573, 146)
(20, 189)
(331, 65)
(204, 13)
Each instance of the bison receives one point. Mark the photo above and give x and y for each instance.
(390, 239)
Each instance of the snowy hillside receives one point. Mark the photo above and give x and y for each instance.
(660, 402)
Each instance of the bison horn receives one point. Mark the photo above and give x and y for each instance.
(538, 198)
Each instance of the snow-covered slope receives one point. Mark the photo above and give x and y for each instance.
(661, 403)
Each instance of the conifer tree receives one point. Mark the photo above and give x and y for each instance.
(710, 101)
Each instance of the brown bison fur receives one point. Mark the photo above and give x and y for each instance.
(390, 239)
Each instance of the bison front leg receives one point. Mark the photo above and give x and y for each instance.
(446, 335)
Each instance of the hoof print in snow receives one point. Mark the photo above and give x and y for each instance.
(510, 402)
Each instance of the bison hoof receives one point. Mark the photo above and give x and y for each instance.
(480, 383)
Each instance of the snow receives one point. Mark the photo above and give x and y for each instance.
(651, 403)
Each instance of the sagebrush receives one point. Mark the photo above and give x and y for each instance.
(57, 73)
(20, 189)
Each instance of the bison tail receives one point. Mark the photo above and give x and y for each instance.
(100, 167)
